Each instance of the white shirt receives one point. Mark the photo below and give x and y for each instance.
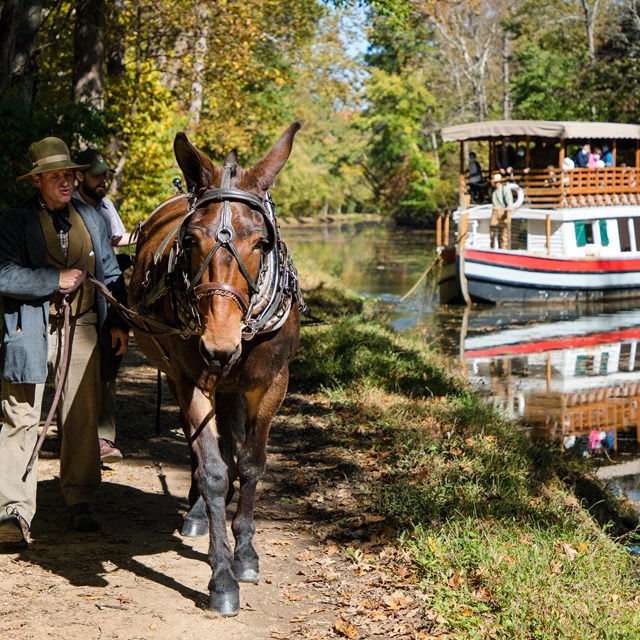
(109, 214)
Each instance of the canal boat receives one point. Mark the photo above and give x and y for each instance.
(574, 233)
(565, 380)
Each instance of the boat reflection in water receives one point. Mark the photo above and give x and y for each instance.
(571, 377)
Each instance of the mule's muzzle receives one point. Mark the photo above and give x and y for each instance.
(219, 360)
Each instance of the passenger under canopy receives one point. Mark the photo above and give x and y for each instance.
(544, 166)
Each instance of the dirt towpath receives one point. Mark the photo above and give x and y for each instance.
(327, 570)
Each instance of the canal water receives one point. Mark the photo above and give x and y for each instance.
(569, 373)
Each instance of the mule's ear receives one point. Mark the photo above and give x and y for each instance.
(266, 170)
(232, 158)
(198, 170)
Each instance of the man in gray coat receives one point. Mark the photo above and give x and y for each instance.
(46, 245)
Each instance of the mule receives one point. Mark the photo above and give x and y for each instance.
(213, 278)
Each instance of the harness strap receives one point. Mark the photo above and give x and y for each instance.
(222, 289)
(138, 320)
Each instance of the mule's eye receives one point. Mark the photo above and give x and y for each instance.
(261, 244)
(190, 241)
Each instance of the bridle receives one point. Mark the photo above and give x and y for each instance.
(270, 294)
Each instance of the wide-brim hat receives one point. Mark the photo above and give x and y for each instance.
(496, 177)
(95, 160)
(50, 154)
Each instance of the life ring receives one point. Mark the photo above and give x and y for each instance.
(518, 192)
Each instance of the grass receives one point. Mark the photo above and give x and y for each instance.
(508, 538)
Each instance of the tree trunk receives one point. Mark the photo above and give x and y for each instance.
(590, 18)
(19, 24)
(506, 76)
(199, 57)
(88, 53)
(114, 47)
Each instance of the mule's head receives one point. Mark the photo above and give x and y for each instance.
(227, 239)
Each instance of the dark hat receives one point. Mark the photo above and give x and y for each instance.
(95, 160)
(50, 154)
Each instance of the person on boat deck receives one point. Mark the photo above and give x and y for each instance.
(46, 244)
(502, 205)
(552, 179)
(475, 178)
(521, 160)
(581, 160)
(595, 161)
(505, 157)
(607, 156)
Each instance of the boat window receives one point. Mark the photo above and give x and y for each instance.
(604, 364)
(585, 365)
(584, 233)
(623, 234)
(519, 233)
(604, 237)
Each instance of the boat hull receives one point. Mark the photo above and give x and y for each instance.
(497, 276)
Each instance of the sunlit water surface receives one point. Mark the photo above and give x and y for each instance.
(571, 373)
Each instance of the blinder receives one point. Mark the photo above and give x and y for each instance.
(186, 292)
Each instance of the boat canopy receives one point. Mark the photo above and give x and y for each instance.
(540, 129)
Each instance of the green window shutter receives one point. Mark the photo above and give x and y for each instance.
(604, 238)
(581, 233)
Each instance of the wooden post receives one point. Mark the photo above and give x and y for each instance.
(447, 218)
(460, 249)
(439, 230)
(548, 372)
(463, 182)
(548, 225)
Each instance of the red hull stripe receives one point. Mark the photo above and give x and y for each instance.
(589, 265)
(552, 345)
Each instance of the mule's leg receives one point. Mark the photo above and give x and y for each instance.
(262, 405)
(230, 418)
(230, 424)
(195, 523)
(213, 483)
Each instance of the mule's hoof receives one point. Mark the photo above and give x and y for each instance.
(194, 528)
(246, 572)
(226, 604)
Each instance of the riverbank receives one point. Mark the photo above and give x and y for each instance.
(395, 505)
(506, 537)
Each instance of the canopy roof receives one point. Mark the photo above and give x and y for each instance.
(540, 129)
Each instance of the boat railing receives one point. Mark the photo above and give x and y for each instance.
(554, 188)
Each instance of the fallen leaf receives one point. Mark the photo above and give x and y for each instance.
(345, 628)
(397, 600)
(569, 550)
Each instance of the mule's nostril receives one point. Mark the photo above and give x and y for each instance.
(219, 359)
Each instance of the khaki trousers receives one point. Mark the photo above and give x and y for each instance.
(108, 410)
(500, 222)
(78, 411)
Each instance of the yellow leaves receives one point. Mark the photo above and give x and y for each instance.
(434, 546)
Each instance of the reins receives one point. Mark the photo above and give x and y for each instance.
(63, 369)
